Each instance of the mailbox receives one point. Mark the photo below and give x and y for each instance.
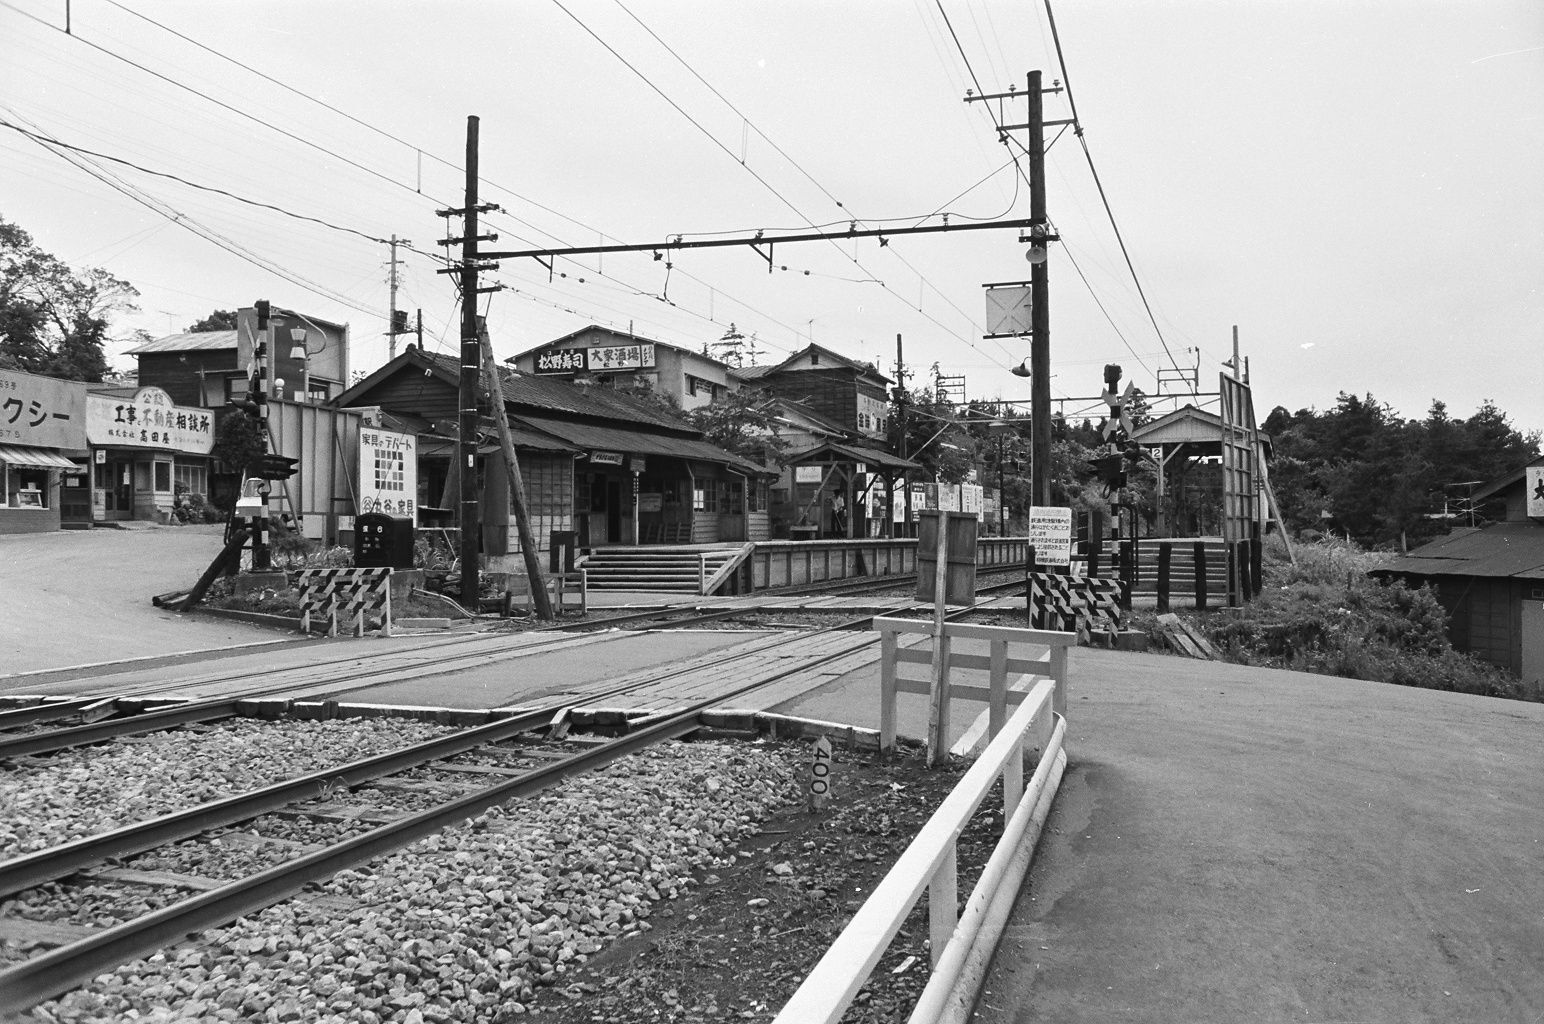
(382, 542)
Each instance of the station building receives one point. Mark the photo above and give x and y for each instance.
(602, 355)
(611, 467)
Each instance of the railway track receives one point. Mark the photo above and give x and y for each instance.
(522, 754)
(465, 753)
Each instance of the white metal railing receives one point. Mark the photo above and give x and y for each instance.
(960, 943)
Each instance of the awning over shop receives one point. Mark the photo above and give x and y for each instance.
(38, 458)
(833, 451)
(612, 439)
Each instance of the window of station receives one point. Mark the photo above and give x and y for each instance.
(699, 497)
(163, 477)
(756, 496)
(730, 495)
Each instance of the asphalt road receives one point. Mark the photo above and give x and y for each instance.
(83, 596)
(1236, 844)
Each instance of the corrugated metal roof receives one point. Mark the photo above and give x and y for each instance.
(194, 341)
(1501, 550)
(590, 437)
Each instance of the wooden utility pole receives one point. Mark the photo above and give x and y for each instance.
(391, 313)
(1039, 307)
(490, 371)
(902, 400)
(466, 448)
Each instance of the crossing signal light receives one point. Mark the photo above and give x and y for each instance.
(1111, 470)
(277, 467)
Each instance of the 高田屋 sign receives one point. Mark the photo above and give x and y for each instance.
(148, 420)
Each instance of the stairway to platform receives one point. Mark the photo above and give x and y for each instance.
(662, 569)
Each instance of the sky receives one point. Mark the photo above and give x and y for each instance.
(1357, 187)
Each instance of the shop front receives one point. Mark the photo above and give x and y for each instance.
(149, 457)
(42, 437)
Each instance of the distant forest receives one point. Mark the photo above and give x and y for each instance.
(1360, 469)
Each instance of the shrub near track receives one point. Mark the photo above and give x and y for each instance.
(1326, 615)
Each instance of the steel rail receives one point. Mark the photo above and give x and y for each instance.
(50, 710)
(64, 968)
(55, 862)
(225, 705)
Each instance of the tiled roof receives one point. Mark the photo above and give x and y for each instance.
(529, 391)
(188, 341)
(590, 437)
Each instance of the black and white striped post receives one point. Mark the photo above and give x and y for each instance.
(261, 560)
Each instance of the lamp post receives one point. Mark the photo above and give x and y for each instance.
(300, 352)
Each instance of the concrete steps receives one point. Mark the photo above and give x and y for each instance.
(649, 570)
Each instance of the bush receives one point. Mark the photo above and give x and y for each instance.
(1325, 615)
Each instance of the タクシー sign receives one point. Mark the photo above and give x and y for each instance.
(41, 411)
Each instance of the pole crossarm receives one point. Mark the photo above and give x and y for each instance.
(756, 240)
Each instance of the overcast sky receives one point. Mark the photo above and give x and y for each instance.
(1357, 185)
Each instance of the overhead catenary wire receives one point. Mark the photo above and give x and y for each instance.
(270, 125)
(1099, 185)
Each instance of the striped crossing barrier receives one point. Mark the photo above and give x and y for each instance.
(345, 593)
(1074, 604)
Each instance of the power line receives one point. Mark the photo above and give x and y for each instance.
(53, 141)
(1103, 198)
(166, 210)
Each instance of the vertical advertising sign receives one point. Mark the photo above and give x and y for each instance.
(388, 474)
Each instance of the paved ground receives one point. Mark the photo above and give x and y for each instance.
(1235, 844)
(83, 596)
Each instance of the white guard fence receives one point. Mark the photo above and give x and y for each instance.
(962, 942)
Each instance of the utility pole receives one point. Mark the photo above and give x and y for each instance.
(1039, 282)
(902, 399)
(471, 361)
(391, 311)
(1039, 308)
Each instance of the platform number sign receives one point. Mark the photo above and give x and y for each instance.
(821, 760)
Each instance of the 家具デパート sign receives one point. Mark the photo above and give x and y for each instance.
(388, 473)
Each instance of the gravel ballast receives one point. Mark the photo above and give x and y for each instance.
(473, 923)
(91, 790)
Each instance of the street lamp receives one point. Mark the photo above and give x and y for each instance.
(301, 353)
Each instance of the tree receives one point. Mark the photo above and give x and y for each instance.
(238, 440)
(218, 320)
(742, 422)
(54, 320)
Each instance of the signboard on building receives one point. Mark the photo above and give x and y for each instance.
(808, 474)
(1050, 531)
(621, 357)
(1534, 478)
(148, 420)
(388, 473)
(596, 359)
(605, 458)
(41, 411)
